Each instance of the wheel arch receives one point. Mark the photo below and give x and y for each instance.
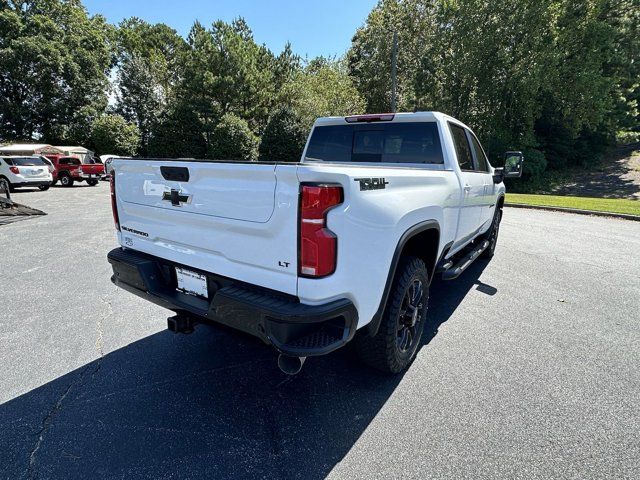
(422, 241)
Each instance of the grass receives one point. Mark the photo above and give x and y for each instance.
(612, 205)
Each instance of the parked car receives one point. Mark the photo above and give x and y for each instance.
(107, 160)
(49, 163)
(303, 255)
(69, 170)
(17, 171)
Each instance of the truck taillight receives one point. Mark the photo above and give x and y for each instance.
(15, 170)
(318, 244)
(114, 206)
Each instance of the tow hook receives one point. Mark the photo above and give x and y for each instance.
(290, 365)
(181, 324)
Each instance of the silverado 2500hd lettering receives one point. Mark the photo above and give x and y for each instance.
(339, 247)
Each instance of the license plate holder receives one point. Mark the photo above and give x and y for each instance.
(192, 283)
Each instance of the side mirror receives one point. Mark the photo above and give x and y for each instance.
(513, 164)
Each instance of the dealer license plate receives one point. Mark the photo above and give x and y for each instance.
(191, 283)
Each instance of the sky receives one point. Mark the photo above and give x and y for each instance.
(314, 27)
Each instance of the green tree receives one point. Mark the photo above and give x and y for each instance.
(111, 134)
(54, 63)
(179, 132)
(322, 89)
(148, 71)
(554, 77)
(286, 65)
(232, 139)
(140, 99)
(284, 137)
(225, 71)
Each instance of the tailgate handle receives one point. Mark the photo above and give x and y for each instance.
(177, 174)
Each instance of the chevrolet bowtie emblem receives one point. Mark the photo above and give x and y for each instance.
(176, 197)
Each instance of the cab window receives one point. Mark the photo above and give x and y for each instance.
(461, 143)
(482, 164)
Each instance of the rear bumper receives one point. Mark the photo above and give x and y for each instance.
(281, 320)
(31, 183)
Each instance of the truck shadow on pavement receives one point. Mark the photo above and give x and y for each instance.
(209, 405)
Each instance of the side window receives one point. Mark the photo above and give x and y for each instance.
(463, 151)
(64, 161)
(482, 165)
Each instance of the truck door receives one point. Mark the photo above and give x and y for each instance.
(473, 187)
(481, 166)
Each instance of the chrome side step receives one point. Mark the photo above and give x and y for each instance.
(452, 270)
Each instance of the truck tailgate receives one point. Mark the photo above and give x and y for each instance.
(237, 220)
(92, 168)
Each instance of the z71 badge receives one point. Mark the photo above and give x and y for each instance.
(372, 183)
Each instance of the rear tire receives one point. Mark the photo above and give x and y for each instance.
(492, 235)
(395, 345)
(6, 185)
(66, 180)
(92, 183)
(44, 188)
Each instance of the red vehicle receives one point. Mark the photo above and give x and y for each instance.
(69, 170)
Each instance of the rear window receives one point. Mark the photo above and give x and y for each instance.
(416, 142)
(25, 161)
(69, 161)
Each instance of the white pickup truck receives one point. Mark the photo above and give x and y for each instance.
(308, 256)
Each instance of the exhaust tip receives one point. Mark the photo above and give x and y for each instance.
(290, 365)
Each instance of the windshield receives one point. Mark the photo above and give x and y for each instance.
(26, 161)
(406, 142)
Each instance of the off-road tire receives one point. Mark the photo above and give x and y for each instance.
(383, 350)
(492, 235)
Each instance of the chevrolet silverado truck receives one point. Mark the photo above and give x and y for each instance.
(309, 256)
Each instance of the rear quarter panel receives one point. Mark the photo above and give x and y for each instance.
(370, 223)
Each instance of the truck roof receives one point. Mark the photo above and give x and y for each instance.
(395, 117)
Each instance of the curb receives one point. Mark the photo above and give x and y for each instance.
(624, 216)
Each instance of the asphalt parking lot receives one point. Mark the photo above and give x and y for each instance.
(530, 368)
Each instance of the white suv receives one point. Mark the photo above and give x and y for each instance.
(24, 172)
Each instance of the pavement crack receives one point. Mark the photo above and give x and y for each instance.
(48, 421)
(51, 415)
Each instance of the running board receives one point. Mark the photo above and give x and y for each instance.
(454, 271)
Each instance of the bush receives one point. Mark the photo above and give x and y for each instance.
(111, 134)
(232, 139)
(284, 137)
(626, 137)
